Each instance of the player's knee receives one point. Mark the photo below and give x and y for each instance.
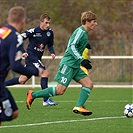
(22, 79)
(90, 84)
(22, 82)
(45, 73)
(60, 89)
(61, 92)
(15, 114)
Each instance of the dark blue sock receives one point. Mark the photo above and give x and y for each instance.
(44, 84)
(12, 81)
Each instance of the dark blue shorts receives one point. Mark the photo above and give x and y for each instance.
(35, 63)
(7, 106)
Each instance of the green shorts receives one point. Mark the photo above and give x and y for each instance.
(65, 74)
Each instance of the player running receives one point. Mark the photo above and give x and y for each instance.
(11, 49)
(69, 67)
(39, 38)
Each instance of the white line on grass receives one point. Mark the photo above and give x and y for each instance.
(70, 101)
(65, 121)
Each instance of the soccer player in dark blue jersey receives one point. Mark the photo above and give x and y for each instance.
(11, 49)
(39, 38)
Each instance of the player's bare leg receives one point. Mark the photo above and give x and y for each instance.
(87, 85)
(23, 79)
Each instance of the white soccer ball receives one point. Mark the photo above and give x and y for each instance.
(128, 110)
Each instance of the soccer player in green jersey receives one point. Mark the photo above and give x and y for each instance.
(69, 67)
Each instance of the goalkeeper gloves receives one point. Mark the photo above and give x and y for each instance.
(86, 64)
(88, 46)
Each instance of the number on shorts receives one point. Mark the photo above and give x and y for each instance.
(63, 80)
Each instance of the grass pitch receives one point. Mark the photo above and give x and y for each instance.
(107, 105)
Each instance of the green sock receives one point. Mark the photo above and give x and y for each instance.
(84, 94)
(48, 92)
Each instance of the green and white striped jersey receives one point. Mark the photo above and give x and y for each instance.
(76, 45)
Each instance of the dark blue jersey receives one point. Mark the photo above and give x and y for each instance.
(38, 39)
(11, 49)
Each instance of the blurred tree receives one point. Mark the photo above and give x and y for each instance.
(114, 17)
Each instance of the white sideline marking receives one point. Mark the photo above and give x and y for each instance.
(72, 101)
(65, 121)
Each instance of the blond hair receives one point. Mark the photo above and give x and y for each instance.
(43, 16)
(16, 14)
(87, 16)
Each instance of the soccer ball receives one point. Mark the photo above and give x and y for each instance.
(128, 110)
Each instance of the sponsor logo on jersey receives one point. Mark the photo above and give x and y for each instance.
(37, 35)
(40, 47)
(4, 32)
